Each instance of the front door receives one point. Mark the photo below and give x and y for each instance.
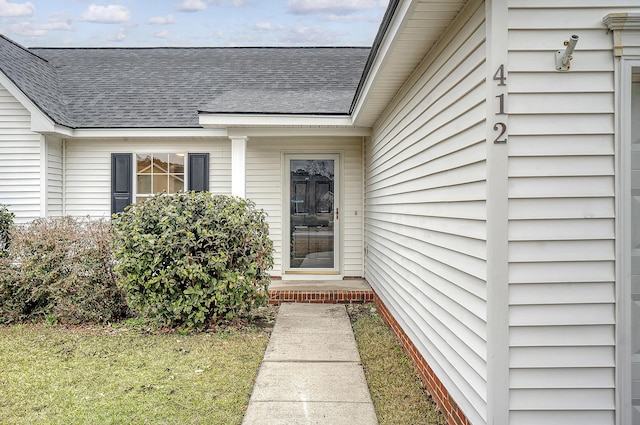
(312, 198)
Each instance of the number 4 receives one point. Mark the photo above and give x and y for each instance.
(499, 76)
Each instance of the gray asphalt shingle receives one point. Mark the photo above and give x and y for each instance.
(167, 87)
(37, 79)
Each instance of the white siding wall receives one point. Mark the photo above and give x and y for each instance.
(88, 169)
(265, 186)
(561, 212)
(19, 160)
(54, 178)
(425, 211)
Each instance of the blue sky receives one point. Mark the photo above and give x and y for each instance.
(129, 23)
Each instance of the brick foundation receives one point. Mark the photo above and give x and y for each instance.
(436, 389)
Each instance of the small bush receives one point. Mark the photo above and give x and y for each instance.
(191, 258)
(61, 271)
(6, 221)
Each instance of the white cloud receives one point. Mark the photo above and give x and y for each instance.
(161, 34)
(59, 22)
(304, 7)
(346, 18)
(234, 3)
(28, 29)
(263, 26)
(119, 36)
(316, 35)
(162, 20)
(191, 6)
(16, 9)
(112, 14)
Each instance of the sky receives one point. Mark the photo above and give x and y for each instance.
(186, 23)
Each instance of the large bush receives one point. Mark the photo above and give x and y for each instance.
(192, 258)
(6, 221)
(60, 270)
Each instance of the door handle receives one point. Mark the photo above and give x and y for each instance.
(337, 213)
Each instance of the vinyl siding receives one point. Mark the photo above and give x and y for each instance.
(19, 160)
(425, 211)
(54, 178)
(561, 214)
(88, 169)
(264, 185)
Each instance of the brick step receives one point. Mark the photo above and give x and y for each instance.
(320, 292)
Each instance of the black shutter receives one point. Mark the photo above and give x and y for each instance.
(121, 181)
(199, 172)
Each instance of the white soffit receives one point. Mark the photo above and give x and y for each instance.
(414, 29)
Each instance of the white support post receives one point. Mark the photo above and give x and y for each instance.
(238, 165)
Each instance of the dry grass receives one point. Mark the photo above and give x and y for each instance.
(399, 397)
(122, 375)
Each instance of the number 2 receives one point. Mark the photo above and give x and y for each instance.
(502, 127)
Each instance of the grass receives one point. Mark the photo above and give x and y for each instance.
(53, 375)
(399, 397)
(123, 375)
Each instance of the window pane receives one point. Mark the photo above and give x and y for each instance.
(176, 163)
(144, 184)
(159, 183)
(160, 163)
(143, 161)
(176, 183)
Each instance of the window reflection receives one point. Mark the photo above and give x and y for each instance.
(158, 173)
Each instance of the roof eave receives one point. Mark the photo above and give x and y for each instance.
(383, 77)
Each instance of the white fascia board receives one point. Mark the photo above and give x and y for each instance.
(298, 131)
(273, 120)
(398, 22)
(40, 122)
(153, 133)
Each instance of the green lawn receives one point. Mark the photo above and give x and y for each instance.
(121, 376)
(397, 392)
(124, 375)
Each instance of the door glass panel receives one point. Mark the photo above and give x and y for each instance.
(312, 214)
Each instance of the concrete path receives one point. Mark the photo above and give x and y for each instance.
(311, 371)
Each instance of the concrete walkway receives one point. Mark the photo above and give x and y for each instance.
(311, 371)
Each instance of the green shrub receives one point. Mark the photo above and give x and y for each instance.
(61, 271)
(6, 221)
(192, 258)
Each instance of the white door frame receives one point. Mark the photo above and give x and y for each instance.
(624, 71)
(302, 274)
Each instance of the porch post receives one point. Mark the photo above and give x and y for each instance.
(238, 167)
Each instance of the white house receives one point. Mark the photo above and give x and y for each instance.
(485, 185)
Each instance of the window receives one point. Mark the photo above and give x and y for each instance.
(155, 173)
(159, 172)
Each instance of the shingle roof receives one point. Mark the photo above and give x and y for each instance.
(36, 77)
(166, 87)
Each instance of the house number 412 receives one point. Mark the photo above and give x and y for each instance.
(500, 127)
